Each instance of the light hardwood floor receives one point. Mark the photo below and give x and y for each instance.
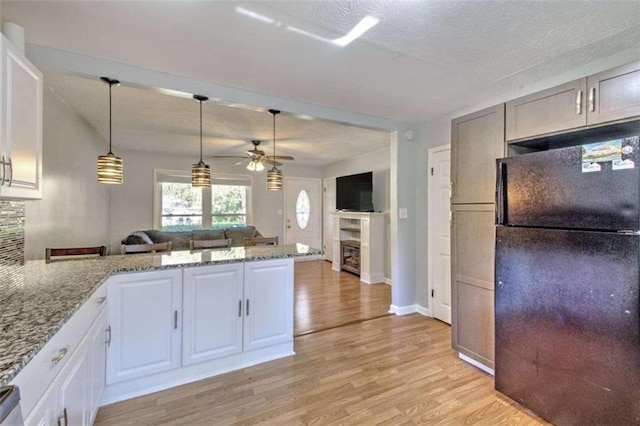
(325, 298)
(391, 370)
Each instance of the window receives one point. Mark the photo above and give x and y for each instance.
(180, 207)
(303, 209)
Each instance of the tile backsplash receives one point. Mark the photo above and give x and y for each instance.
(11, 237)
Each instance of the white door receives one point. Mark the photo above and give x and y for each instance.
(213, 307)
(303, 211)
(439, 200)
(328, 207)
(268, 309)
(144, 319)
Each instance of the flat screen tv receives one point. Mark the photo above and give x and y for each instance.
(355, 192)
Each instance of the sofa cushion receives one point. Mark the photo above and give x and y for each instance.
(238, 234)
(208, 234)
(137, 237)
(179, 239)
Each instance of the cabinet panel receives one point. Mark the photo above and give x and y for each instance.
(144, 318)
(213, 308)
(73, 398)
(268, 296)
(21, 125)
(472, 270)
(552, 110)
(614, 94)
(477, 140)
(97, 364)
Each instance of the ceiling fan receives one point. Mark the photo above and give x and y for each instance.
(256, 158)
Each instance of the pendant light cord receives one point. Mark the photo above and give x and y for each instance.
(201, 131)
(110, 118)
(274, 140)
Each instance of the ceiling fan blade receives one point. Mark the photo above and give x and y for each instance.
(228, 156)
(271, 162)
(255, 152)
(241, 162)
(282, 157)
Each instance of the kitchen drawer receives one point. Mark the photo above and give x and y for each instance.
(40, 372)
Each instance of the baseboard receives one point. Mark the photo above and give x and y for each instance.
(423, 311)
(372, 278)
(477, 364)
(121, 391)
(307, 258)
(387, 281)
(402, 310)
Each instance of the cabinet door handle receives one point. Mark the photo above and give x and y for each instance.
(61, 354)
(592, 99)
(175, 320)
(108, 330)
(247, 307)
(63, 417)
(239, 308)
(4, 172)
(11, 170)
(101, 300)
(579, 102)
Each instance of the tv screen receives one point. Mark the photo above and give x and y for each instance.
(355, 192)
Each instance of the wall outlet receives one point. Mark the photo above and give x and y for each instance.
(402, 213)
(279, 212)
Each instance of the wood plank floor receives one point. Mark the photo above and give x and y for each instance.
(391, 370)
(325, 298)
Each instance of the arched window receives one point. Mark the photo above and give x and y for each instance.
(303, 209)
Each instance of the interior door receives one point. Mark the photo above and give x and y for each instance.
(439, 233)
(328, 206)
(303, 210)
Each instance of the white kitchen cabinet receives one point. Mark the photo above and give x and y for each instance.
(21, 125)
(268, 293)
(213, 312)
(97, 364)
(72, 397)
(144, 316)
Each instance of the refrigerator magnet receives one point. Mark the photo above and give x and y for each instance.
(591, 167)
(622, 164)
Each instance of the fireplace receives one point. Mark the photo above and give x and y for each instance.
(350, 256)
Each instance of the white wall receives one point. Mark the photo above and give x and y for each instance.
(74, 210)
(132, 202)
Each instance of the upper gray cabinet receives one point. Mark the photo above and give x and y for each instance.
(608, 96)
(614, 94)
(477, 140)
(552, 110)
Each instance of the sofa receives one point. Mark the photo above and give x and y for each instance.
(180, 239)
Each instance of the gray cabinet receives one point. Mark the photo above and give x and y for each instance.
(477, 140)
(614, 94)
(552, 110)
(472, 280)
(611, 95)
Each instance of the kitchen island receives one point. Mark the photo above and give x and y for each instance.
(47, 303)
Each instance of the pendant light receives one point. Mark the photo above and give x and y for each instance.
(274, 176)
(200, 172)
(109, 166)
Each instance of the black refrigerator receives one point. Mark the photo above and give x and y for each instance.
(567, 321)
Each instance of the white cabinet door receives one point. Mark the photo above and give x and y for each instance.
(73, 398)
(145, 324)
(21, 126)
(213, 308)
(268, 293)
(45, 412)
(97, 349)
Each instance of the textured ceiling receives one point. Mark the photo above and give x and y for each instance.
(147, 120)
(424, 58)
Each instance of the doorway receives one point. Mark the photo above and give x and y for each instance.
(328, 207)
(439, 207)
(303, 211)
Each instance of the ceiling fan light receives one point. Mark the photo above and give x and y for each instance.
(200, 175)
(109, 169)
(259, 166)
(274, 180)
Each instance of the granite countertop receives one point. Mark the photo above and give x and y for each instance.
(38, 300)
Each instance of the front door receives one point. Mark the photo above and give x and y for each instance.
(328, 206)
(303, 211)
(439, 240)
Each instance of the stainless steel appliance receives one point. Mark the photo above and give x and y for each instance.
(10, 414)
(567, 316)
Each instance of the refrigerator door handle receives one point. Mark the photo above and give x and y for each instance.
(501, 198)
